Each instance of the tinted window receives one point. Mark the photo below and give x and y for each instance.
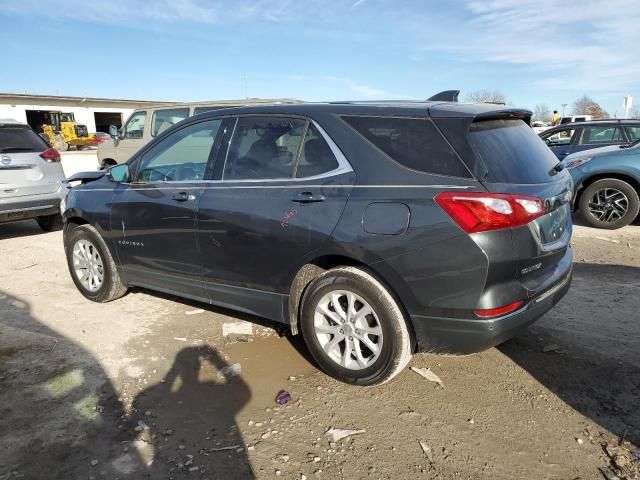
(634, 133)
(182, 156)
(135, 125)
(602, 134)
(412, 142)
(316, 156)
(18, 138)
(163, 119)
(511, 152)
(563, 137)
(263, 148)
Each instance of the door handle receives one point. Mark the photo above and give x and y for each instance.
(181, 197)
(308, 197)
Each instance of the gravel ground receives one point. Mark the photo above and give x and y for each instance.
(132, 389)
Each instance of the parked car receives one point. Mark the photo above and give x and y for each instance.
(144, 124)
(30, 177)
(539, 126)
(575, 118)
(375, 230)
(607, 184)
(564, 140)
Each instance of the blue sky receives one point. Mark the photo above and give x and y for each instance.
(534, 51)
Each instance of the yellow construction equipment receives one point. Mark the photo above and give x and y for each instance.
(62, 132)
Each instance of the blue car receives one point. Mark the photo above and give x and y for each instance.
(607, 184)
(575, 137)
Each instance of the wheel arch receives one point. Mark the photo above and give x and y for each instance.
(630, 179)
(314, 268)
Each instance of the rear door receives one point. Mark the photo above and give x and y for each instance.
(23, 172)
(283, 185)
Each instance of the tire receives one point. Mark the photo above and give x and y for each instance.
(49, 223)
(59, 143)
(103, 282)
(609, 203)
(335, 353)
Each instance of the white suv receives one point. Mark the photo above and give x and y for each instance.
(31, 177)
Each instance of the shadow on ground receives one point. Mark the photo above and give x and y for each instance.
(60, 415)
(24, 228)
(596, 369)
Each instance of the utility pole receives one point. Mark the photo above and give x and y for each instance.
(563, 107)
(245, 86)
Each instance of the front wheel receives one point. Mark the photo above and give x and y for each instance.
(91, 265)
(354, 327)
(609, 203)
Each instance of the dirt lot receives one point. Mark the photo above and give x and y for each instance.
(131, 390)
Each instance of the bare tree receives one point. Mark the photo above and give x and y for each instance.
(542, 113)
(635, 112)
(585, 105)
(486, 96)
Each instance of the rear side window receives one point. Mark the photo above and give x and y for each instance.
(16, 139)
(316, 157)
(414, 143)
(511, 151)
(163, 119)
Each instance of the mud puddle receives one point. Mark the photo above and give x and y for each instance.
(267, 364)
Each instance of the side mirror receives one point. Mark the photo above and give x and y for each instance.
(113, 131)
(119, 173)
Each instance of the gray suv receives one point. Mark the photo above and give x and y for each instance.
(374, 230)
(31, 177)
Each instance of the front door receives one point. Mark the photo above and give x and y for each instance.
(155, 215)
(133, 137)
(283, 188)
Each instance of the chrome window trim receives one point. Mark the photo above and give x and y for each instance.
(343, 164)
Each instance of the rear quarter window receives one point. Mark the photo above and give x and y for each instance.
(19, 138)
(414, 143)
(511, 152)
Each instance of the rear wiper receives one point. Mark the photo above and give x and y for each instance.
(557, 168)
(19, 149)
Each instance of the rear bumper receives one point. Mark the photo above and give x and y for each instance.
(27, 207)
(448, 335)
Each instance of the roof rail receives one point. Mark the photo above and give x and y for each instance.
(445, 96)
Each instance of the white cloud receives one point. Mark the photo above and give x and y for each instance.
(357, 3)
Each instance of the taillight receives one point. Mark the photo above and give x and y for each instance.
(480, 212)
(51, 155)
(496, 312)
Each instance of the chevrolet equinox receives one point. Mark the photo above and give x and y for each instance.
(374, 229)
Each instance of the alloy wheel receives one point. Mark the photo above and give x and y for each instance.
(348, 329)
(608, 205)
(88, 265)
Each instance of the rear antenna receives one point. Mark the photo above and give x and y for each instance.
(445, 96)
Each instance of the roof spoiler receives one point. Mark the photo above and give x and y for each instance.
(445, 96)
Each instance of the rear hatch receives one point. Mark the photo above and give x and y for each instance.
(23, 171)
(507, 157)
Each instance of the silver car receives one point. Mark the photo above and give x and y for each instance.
(31, 177)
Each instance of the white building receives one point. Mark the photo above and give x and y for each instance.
(96, 113)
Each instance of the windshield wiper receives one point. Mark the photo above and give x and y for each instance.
(631, 145)
(18, 149)
(557, 168)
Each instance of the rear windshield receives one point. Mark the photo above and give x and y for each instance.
(19, 138)
(512, 152)
(414, 143)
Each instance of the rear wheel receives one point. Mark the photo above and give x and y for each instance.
(49, 223)
(609, 203)
(91, 265)
(354, 328)
(59, 143)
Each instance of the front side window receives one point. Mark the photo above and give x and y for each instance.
(180, 157)
(563, 137)
(414, 143)
(163, 119)
(592, 135)
(135, 125)
(264, 148)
